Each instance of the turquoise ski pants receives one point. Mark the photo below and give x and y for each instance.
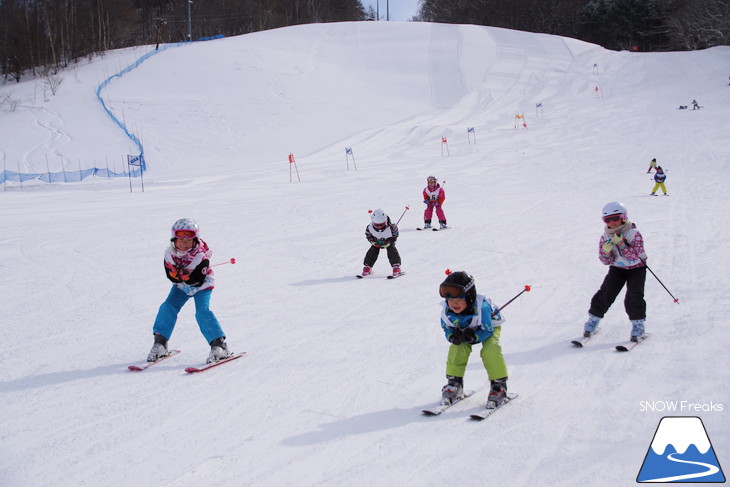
(167, 315)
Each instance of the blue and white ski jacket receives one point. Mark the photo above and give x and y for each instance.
(480, 319)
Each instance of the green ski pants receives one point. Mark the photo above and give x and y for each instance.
(491, 354)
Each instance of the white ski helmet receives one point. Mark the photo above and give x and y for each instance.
(432, 178)
(378, 217)
(186, 224)
(615, 208)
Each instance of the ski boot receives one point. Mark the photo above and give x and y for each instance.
(218, 350)
(367, 270)
(442, 224)
(396, 270)
(497, 393)
(453, 390)
(159, 349)
(637, 330)
(590, 326)
(426, 224)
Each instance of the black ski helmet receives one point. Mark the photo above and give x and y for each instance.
(461, 282)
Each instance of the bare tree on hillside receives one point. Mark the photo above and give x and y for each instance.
(701, 24)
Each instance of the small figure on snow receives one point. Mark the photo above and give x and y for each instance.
(187, 265)
(652, 165)
(621, 247)
(695, 105)
(381, 234)
(659, 179)
(466, 319)
(433, 196)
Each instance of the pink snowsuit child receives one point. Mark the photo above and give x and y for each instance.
(433, 197)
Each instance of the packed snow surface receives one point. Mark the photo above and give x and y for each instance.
(338, 369)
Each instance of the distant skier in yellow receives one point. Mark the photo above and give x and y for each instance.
(652, 165)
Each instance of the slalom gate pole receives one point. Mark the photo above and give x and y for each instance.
(496, 312)
(231, 261)
(401, 217)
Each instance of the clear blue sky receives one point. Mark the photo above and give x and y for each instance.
(401, 10)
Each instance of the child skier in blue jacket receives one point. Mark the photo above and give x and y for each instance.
(659, 179)
(466, 319)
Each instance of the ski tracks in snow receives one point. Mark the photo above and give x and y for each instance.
(35, 159)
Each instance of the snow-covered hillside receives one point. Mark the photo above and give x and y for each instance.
(338, 369)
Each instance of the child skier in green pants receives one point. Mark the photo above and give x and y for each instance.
(466, 320)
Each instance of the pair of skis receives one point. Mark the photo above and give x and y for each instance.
(360, 276)
(433, 228)
(189, 370)
(480, 415)
(624, 347)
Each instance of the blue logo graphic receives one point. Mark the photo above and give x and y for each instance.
(681, 452)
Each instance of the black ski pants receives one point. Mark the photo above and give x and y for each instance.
(614, 281)
(373, 252)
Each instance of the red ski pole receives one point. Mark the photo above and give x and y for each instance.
(496, 312)
(404, 212)
(231, 261)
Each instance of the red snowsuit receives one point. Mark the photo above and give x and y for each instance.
(434, 197)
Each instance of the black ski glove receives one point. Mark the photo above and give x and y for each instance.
(456, 337)
(469, 336)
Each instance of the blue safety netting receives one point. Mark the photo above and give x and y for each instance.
(137, 162)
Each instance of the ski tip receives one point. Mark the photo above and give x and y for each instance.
(577, 344)
(147, 365)
(359, 276)
(234, 356)
(630, 345)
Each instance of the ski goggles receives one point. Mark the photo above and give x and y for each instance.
(611, 218)
(185, 234)
(449, 291)
(380, 226)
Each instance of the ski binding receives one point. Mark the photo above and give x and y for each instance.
(194, 370)
(491, 408)
(583, 340)
(147, 365)
(628, 346)
(440, 408)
